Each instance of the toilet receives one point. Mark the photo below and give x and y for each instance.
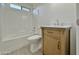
(35, 43)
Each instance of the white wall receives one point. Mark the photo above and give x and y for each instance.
(77, 30)
(14, 24)
(65, 13)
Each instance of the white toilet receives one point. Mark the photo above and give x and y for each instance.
(35, 43)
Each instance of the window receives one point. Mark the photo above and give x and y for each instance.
(19, 7)
(25, 9)
(15, 6)
(35, 11)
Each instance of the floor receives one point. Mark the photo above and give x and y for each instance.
(24, 51)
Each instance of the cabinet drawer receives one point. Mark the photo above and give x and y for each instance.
(52, 34)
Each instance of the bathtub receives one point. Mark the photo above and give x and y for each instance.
(12, 44)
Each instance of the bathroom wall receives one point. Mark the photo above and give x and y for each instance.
(65, 13)
(14, 24)
(77, 30)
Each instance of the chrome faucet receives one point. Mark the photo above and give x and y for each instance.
(57, 22)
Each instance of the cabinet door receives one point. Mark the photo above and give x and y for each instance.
(52, 43)
(65, 42)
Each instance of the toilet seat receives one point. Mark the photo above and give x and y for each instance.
(34, 37)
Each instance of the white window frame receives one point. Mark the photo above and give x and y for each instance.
(14, 6)
(25, 9)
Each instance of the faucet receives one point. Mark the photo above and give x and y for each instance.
(57, 22)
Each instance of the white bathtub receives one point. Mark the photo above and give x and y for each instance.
(12, 44)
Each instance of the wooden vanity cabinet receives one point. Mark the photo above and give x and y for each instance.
(56, 41)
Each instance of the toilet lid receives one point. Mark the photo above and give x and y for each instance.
(34, 37)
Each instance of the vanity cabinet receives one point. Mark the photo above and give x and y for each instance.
(56, 41)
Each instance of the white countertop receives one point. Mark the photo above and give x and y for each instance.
(58, 26)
